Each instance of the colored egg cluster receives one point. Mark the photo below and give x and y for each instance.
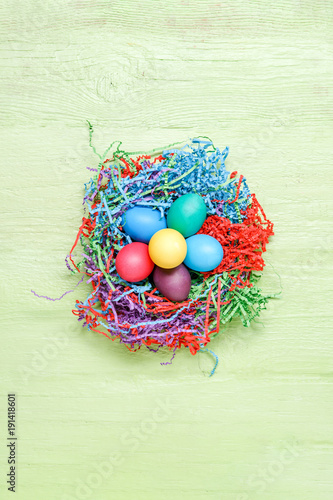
(168, 247)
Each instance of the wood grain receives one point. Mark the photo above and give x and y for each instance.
(95, 421)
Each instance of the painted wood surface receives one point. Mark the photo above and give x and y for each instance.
(95, 421)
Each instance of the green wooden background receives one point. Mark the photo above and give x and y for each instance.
(95, 421)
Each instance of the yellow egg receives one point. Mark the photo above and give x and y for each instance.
(167, 248)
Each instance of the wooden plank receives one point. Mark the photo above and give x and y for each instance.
(98, 422)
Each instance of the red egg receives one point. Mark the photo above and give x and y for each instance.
(174, 284)
(133, 262)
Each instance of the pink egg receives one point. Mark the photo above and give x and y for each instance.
(133, 263)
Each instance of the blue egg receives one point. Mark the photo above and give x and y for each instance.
(204, 253)
(140, 223)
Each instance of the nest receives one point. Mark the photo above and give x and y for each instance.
(136, 313)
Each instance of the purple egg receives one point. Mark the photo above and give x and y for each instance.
(174, 284)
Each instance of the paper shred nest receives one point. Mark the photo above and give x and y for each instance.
(137, 314)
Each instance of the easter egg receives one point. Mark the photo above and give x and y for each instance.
(174, 284)
(133, 262)
(167, 248)
(204, 253)
(187, 214)
(140, 223)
